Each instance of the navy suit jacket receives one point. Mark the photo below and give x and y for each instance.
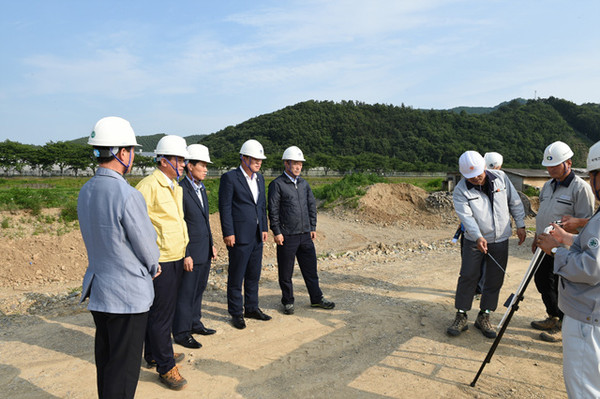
(239, 214)
(197, 218)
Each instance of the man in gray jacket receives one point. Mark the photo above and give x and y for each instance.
(579, 294)
(484, 201)
(122, 259)
(293, 219)
(564, 195)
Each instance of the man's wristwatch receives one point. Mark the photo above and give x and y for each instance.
(553, 250)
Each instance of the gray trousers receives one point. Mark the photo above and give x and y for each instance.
(470, 273)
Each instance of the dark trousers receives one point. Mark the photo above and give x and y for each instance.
(245, 263)
(470, 274)
(118, 348)
(188, 311)
(158, 344)
(546, 283)
(298, 246)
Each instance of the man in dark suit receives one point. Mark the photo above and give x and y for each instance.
(242, 206)
(199, 251)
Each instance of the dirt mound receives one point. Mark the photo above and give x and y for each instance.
(402, 204)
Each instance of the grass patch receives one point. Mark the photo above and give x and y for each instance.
(531, 191)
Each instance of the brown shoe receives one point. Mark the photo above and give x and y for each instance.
(554, 335)
(483, 323)
(547, 324)
(177, 356)
(172, 379)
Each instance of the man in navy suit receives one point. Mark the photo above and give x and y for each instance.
(242, 206)
(199, 251)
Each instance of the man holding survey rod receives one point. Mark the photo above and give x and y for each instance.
(484, 201)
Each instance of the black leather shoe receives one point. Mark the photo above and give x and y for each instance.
(189, 342)
(257, 314)
(238, 322)
(203, 331)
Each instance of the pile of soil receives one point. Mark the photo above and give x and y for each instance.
(401, 204)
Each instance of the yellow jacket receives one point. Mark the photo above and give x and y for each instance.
(165, 208)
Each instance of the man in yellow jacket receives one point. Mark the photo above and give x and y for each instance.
(164, 199)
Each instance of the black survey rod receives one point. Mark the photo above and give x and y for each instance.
(514, 301)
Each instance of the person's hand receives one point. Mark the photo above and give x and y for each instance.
(278, 239)
(214, 252)
(521, 233)
(571, 224)
(546, 242)
(313, 235)
(534, 243)
(229, 240)
(482, 245)
(188, 264)
(264, 236)
(158, 272)
(560, 235)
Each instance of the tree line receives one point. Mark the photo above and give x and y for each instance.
(354, 136)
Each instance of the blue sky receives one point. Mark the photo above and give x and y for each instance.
(195, 67)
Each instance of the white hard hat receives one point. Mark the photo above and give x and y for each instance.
(556, 153)
(293, 153)
(471, 164)
(172, 145)
(493, 160)
(198, 152)
(593, 158)
(252, 148)
(112, 131)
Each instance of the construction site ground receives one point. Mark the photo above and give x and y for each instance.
(388, 264)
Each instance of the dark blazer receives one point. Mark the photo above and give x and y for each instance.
(197, 218)
(239, 213)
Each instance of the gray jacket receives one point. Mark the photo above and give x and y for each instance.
(482, 217)
(579, 269)
(121, 245)
(573, 197)
(292, 207)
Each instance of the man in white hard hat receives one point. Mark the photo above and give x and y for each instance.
(565, 195)
(293, 219)
(164, 199)
(493, 160)
(122, 259)
(579, 294)
(484, 201)
(242, 207)
(199, 251)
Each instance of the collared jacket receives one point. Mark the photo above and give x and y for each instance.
(292, 207)
(579, 271)
(165, 208)
(573, 197)
(487, 217)
(120, 243)
(240, 215)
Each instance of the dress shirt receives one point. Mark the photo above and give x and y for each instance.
(252, 183)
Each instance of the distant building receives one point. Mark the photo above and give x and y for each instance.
(534, 177)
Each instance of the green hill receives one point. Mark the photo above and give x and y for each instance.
(358, 136)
